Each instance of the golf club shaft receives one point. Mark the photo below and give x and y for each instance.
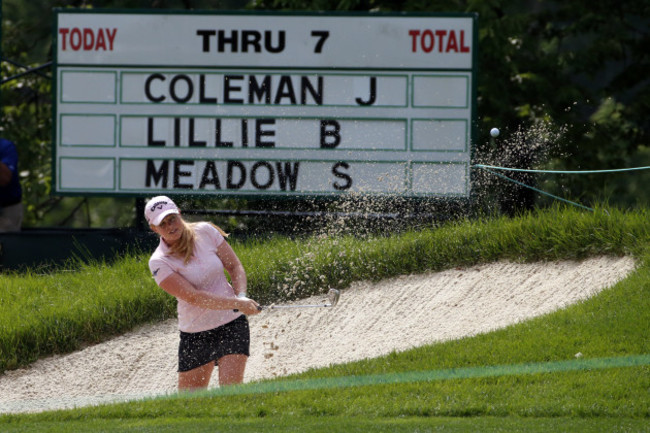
(333, 296)
(272, 307)
(298, 306)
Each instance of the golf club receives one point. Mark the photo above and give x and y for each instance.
(333, 296)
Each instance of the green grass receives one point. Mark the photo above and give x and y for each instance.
(482, 383)
(57, 313)
(330, 424)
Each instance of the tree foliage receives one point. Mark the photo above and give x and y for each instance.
(579, 68)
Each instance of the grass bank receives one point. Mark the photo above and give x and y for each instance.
(610, 326)
(59, 312)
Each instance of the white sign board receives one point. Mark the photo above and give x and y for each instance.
(263, 105)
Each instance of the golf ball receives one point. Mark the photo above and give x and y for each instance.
(494, 132)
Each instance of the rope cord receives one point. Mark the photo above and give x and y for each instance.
(615, 170)
(490, 168)
(536, 189)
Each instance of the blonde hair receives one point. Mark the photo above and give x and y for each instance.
(184, 248)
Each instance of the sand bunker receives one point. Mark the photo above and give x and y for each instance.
(371, 319)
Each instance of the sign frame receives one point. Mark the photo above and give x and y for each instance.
(116, 189)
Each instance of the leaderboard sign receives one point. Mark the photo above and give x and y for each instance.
(263, 105)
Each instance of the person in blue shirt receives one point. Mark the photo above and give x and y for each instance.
(11, 207)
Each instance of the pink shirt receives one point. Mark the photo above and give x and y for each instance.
(204, 271)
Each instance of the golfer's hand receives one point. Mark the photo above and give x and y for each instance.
(248, 306)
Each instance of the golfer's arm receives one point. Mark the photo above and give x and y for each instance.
(180, 288)
(233, 266)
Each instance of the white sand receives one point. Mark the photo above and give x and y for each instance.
(371, 319)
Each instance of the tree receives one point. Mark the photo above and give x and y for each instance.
(27, 110)
(566, 82)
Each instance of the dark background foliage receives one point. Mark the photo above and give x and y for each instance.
(566, 82)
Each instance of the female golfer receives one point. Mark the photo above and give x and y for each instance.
(189, 265)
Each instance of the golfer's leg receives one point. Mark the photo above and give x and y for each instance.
(199, 378)
(231, 369)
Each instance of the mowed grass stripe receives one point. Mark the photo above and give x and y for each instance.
(429, 376)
